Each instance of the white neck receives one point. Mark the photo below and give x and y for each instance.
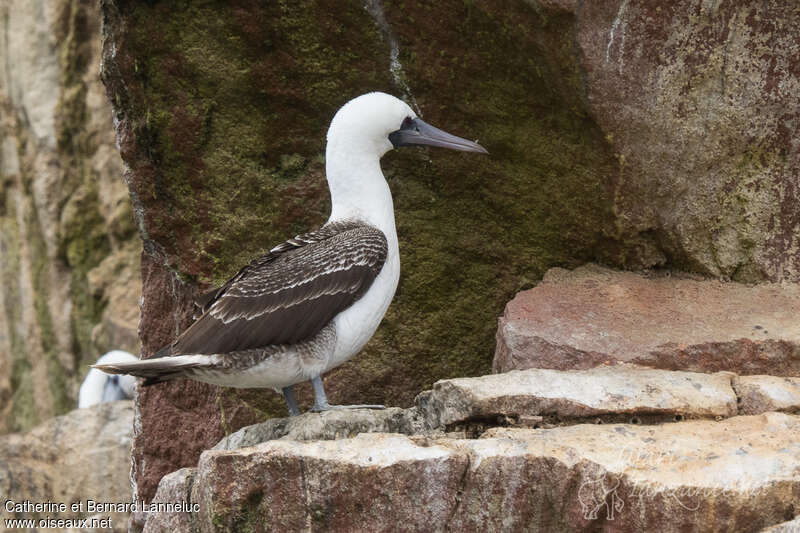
(359, 191)
(358, 188)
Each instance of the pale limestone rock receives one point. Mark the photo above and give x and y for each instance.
(174, 487)
(739, 474)
(329, 425)
(65, 217)
(31, 76)
(759, 394)
(613, 390)
(792, 526)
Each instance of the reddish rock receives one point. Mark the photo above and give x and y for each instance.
(374, 482)
(592, 316)
(161, 445)
(700, 103)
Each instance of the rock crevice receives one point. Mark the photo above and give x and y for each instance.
(544, 399)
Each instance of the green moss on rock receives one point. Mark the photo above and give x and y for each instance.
(57, 375)
(473, 229)
(226, 108)
(233, 106)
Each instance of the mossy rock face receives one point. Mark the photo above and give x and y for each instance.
(699, 102)
(222, 113)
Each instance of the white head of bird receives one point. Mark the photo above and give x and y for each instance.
(361, 132)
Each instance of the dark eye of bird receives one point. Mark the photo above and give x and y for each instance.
(406, 123)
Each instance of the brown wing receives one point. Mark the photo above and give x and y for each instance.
(289, 294)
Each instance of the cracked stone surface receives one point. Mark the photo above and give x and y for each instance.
(739, 474)
(593, 315)
(599, 391)
(538, 397)
(174, 487)
(759, 394)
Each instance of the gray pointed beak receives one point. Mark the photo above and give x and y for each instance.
(417, 132)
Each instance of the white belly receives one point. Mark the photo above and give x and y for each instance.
(356, 324)
(277, 366)
(279, 371)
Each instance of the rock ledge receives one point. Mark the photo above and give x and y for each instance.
(740, 474)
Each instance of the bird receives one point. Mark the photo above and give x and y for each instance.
(101, 388)
(312, 302)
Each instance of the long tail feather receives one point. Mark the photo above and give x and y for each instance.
(157, 369)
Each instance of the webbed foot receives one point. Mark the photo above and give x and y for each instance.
(328, 407)
(321, 401)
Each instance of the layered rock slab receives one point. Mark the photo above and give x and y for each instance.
(536, 397)
(593, 315)
(543, 398)
(758, 394)
(740, 474)
(328, 425)
(614, 390)
(83, 455)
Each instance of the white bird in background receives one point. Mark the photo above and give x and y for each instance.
(314, 301)
(99, 387)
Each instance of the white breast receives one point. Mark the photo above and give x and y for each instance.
(356, 324)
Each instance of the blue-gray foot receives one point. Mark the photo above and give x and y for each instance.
(321, 401)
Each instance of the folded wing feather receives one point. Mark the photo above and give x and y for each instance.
(290, 294)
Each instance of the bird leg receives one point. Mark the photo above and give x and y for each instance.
(321, 402)
(291, 403)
